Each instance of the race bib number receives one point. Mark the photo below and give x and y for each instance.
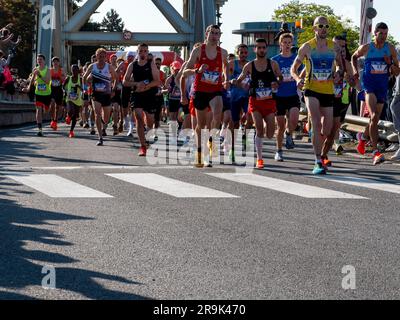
(55, 83)
(100, 87)
(176, 93)
(287, 77)
(42, 87)
(338, 91)
(263, 93)
(379, 67)
(322, 74)
(211, 77)
(73, 96)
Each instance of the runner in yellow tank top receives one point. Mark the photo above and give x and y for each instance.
(321, 58)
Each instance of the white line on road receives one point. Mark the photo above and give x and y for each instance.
(364, 183)
(171, 187)
(297, 189)
(57, 187)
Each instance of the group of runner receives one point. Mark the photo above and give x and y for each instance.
(214, 94)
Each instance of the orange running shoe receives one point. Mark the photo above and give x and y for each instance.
(260, 164)
(71, 134)
(68, 120)
(326, 162)
(142, 152)
(361, 144)
(378, 158)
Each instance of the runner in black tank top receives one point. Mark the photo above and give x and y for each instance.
(144, 78)
(265, 74)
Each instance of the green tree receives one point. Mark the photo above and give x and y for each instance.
(21, 13)
(112, 22)
(176, 49)
(84, 53)
(294, 10)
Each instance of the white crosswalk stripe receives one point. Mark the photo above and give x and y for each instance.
(297, 189)
(57, 187)
(364, 183)
(171, 187)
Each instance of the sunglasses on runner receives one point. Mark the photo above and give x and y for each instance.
(321, 26)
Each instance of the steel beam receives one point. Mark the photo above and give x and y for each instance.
(116, 38)
(82, 15)
(209, 12)
(173, 16)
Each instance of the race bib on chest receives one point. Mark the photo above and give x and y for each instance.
(338, 91)
(100, 87)
(287, 77)
(73, 96)
(263, 93)
(379, 67)
(42, 87)
(322, 74)
(55, 83)
(176, 93)
(211, 77)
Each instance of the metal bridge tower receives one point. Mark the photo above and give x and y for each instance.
(58, 29)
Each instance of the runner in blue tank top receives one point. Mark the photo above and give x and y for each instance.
(380, 61)
(287, 99)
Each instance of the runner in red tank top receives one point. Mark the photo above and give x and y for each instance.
(57, 93)
(209, 62)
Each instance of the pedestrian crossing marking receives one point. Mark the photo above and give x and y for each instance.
(57, 187)
(364, 183)
(170, 186)
(293, 188)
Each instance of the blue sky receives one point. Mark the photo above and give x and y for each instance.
(143, 16)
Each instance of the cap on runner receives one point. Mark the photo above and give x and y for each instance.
(176, 65)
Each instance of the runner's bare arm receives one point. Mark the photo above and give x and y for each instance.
(226, 68)
(277, 71)
(194, 57)
(339, 61)
(360, 52)
(302, 54)
(87, 73)
(167, 84)
(128, 78)
(395, 70)
(114, 76)
(180, 73)
(245, 72)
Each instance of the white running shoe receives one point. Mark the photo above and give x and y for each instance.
(396, 156)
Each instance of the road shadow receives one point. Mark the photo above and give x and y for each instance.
(20, 226)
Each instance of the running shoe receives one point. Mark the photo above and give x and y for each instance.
(86, 126)
(68, 120)
(53, 125)
(378, 158)
(81, 123)
(199, 163)
(121, 127)
(40, 133)
(100, 143)
(71, 134)
(361, 144)
(326, 162)
(142, 151)
(396, 156)
(116, 131)
(260, 164)
(92, 132)
(289, 142)
(339, 150)
(319, 169)
(104, 133)
(279, 156)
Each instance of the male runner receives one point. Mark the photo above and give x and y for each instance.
(209, 63)
(103, 76)
(74, 97)
(265, 77)
(144, 79)
(287, 98)
(380, 61)
(42, 79)
(57, 93)
(126, 120)
(319, 55)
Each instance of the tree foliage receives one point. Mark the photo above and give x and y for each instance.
(21, 13)
(295, 9)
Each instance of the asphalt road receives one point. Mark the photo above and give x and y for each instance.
(269, 235)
